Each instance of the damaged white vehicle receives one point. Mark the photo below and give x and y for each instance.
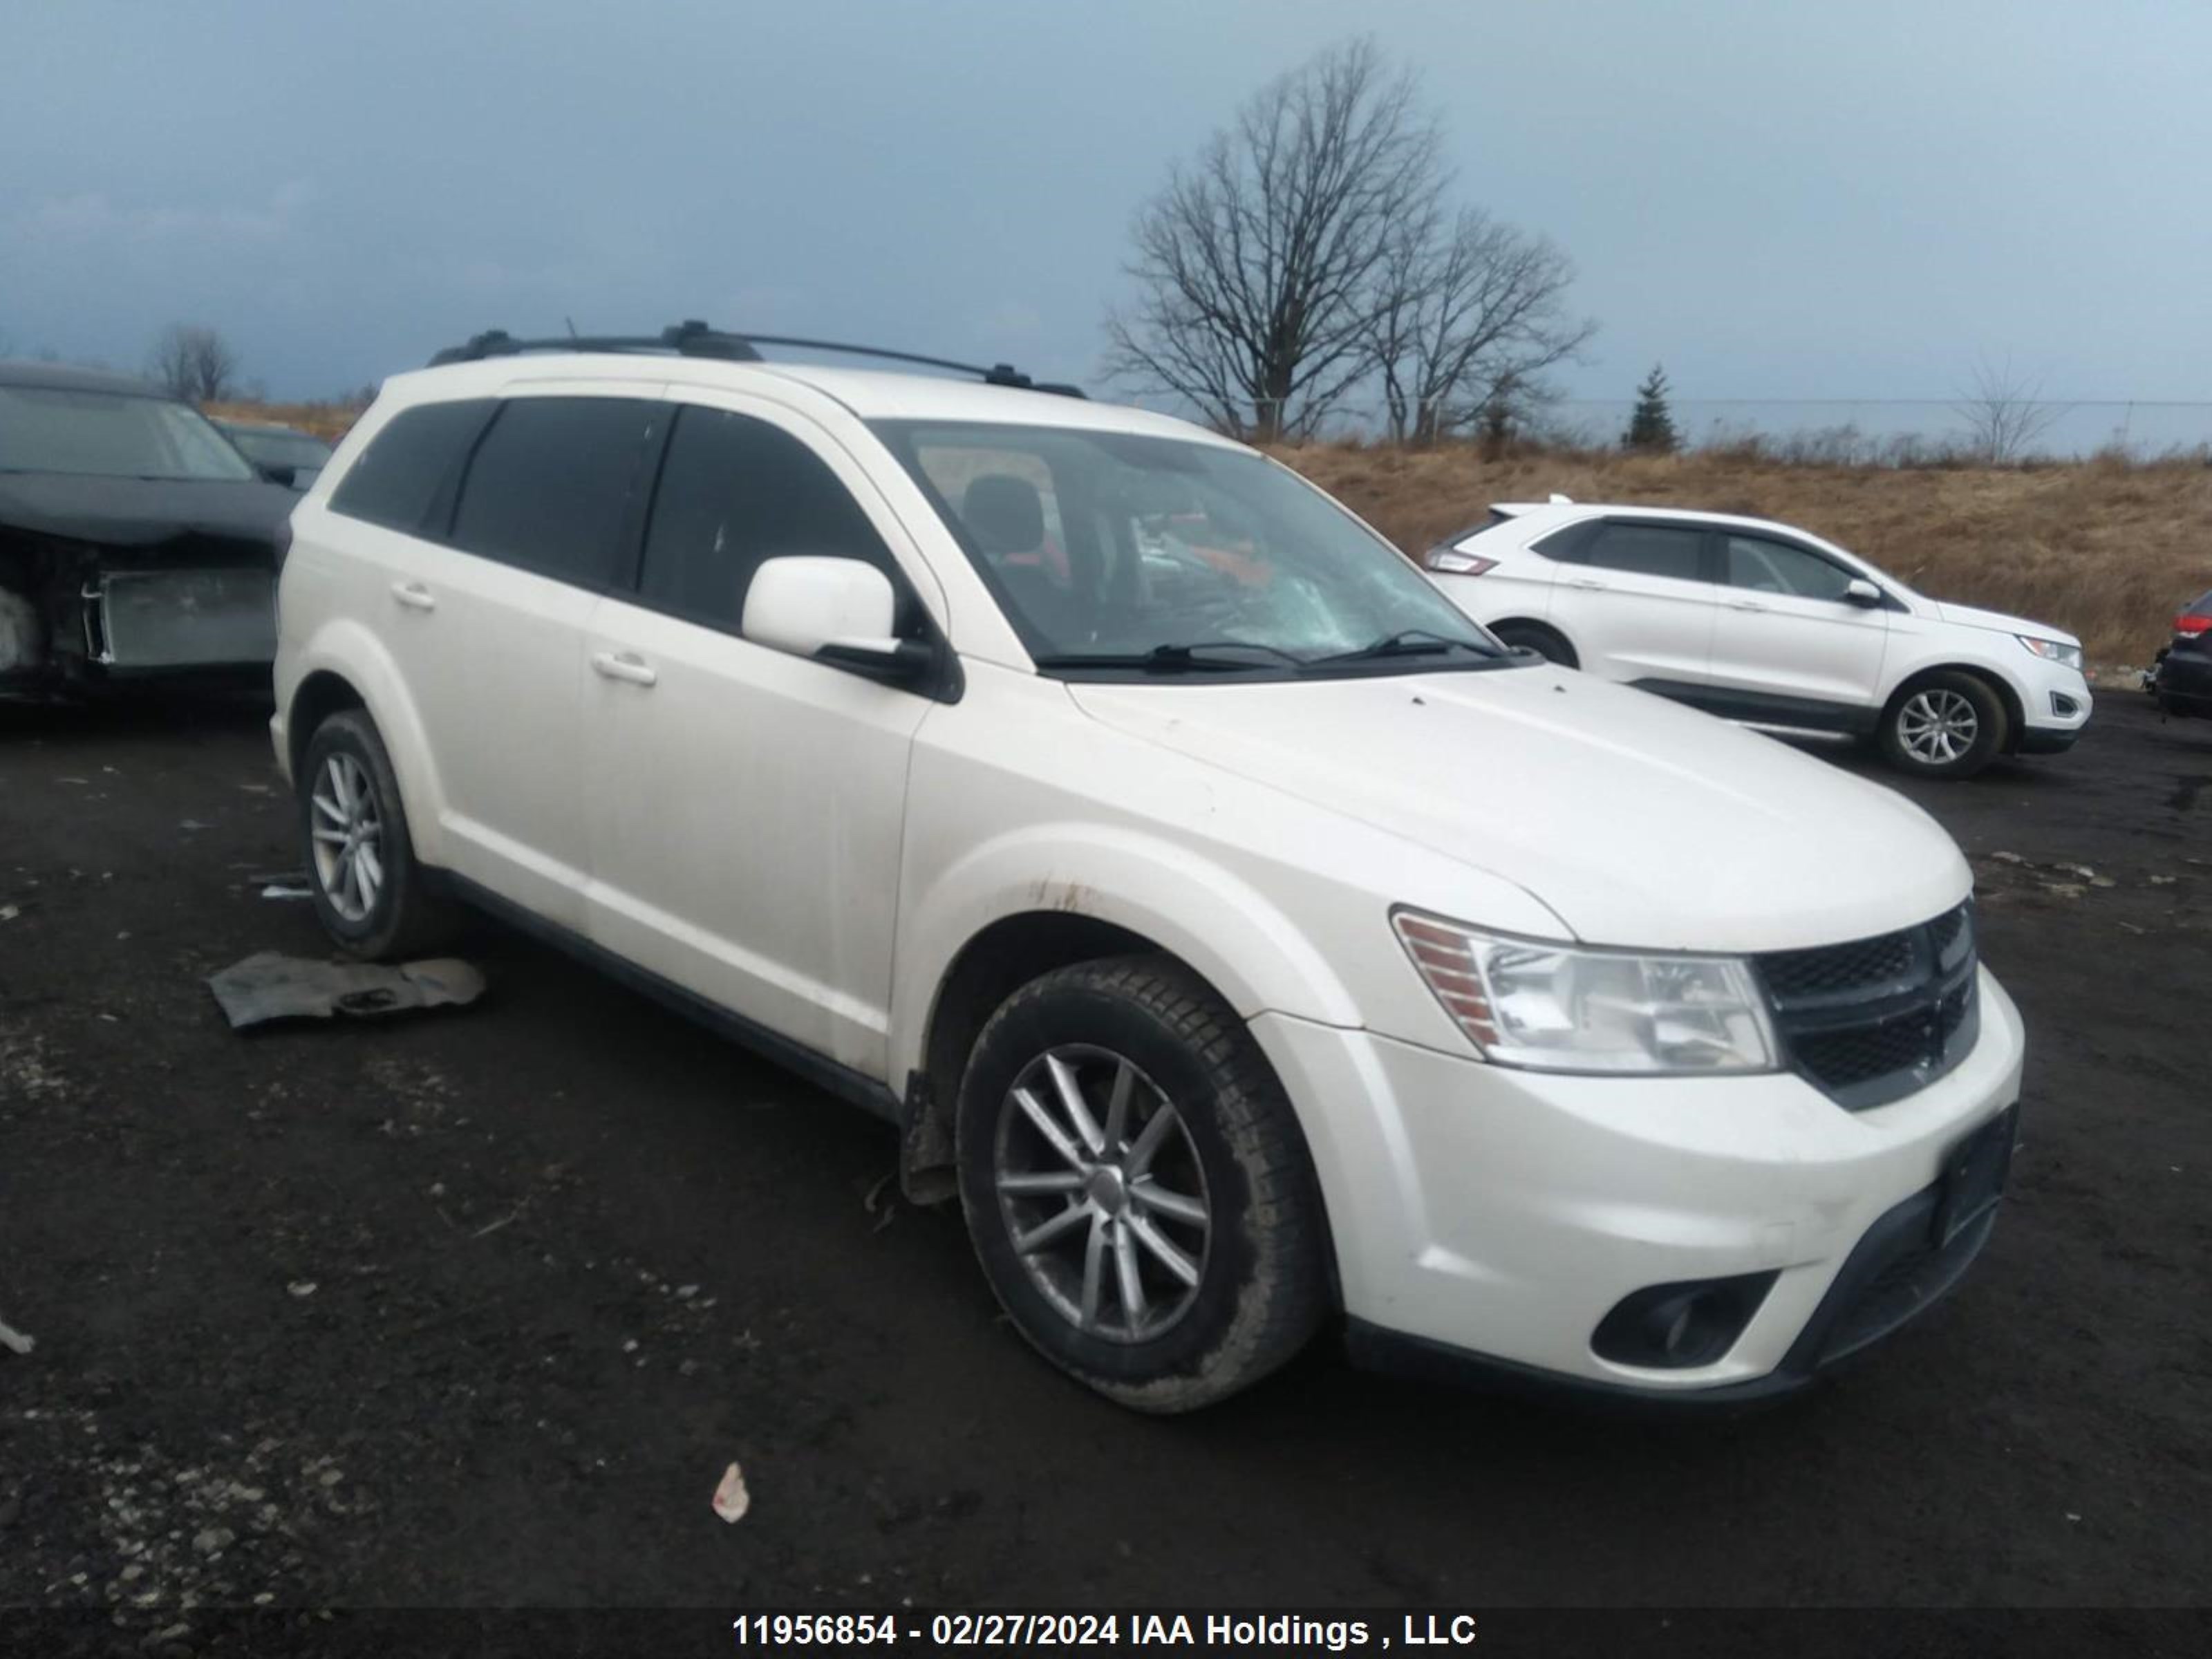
(135, 540)
(1252, 941)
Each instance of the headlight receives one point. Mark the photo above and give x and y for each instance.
(2068, 656)
(1560, 1008)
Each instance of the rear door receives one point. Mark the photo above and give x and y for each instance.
(1634, 599)
(1786, 636)
(541, 521)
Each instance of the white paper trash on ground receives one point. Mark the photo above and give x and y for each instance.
(731, 1500)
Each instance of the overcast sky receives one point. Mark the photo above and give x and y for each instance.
(1800, 200)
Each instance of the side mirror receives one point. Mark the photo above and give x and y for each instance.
(837, 610)
(279, 474)
(1861, 592)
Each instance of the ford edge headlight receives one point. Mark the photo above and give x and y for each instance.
(2068, 656)
(1562, 1008)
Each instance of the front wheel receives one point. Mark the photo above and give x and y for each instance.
(1137, 1187)
(1948, 725)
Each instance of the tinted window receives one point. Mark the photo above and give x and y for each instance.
(734, 491)
(1647, 551)
(394, 481)
(549, 486)
(1777, 567)
(1566, 545)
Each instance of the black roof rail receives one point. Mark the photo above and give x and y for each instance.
(693, 338)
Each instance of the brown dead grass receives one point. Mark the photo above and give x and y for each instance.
(2105, 549)
(330, 421)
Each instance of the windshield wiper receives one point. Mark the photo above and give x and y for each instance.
(1198, 657)
(1407, 642)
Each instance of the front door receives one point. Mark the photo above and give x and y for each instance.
(746, 806)
(1786, 634)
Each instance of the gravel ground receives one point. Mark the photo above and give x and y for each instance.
(474, 1307)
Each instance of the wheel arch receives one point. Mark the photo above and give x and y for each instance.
(345, 667)
(1539, 625)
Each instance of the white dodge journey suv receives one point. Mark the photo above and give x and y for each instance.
(1769, 625)
(1247, 939)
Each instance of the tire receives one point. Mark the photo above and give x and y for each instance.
(1949, 724)
(381, 909)
(1223, 1141)
(1546, 642)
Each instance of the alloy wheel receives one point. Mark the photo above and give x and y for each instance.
(1938, 726)
(1102, 1192)
(348, 838)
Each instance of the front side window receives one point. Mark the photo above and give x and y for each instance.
(1771, 567)
(549, 486)
(410, 459)
(1649, 549)
(733, 492)
(1108, 549)
(111, 434)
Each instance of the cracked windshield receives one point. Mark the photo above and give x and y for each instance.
(1111, 550)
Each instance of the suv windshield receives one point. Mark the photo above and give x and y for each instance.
(1112, 552)
(110, 434)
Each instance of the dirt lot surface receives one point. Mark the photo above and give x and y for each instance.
(475, 1307)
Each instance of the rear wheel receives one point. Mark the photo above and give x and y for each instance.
(1546, 642)
(1137, 1187)
(1948, 725)
(371, 897)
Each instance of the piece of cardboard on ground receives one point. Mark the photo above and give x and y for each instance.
(270, 985)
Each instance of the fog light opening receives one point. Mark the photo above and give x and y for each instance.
(1674, 1326)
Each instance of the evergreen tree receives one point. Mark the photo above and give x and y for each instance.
(1651, 427)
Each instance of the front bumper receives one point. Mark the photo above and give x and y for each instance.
(2056, 703)
(1484, 1215)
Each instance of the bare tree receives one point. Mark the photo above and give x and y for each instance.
(1466, 318)
(1258, 262)
(192, 362)
(2005, 412)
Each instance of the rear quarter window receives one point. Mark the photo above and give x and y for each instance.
(550, 485)
(393, 482)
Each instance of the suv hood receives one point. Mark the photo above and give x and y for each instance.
(1636, 821)
(1967, 615)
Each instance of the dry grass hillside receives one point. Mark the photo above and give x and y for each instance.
(326, 421)
(2106, 548)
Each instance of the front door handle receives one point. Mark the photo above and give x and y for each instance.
(414, 596)
(1746, 604)
(1589, 582)
(624, 665)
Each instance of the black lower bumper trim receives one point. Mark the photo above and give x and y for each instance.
(2044, 740)
(1898, 1270)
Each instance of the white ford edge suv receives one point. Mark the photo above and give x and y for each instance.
(1244, 937)
(1769, 625)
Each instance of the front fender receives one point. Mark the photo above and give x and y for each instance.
(1187, 904)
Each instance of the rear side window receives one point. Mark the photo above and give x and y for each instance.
(734, 491)
(1771, 567)
(1649, 549)
(550, 486)
(407, 463)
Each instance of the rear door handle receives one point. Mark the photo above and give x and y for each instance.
(1746, 604)
(624, 665)
(414, 596)
(1586, 581)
